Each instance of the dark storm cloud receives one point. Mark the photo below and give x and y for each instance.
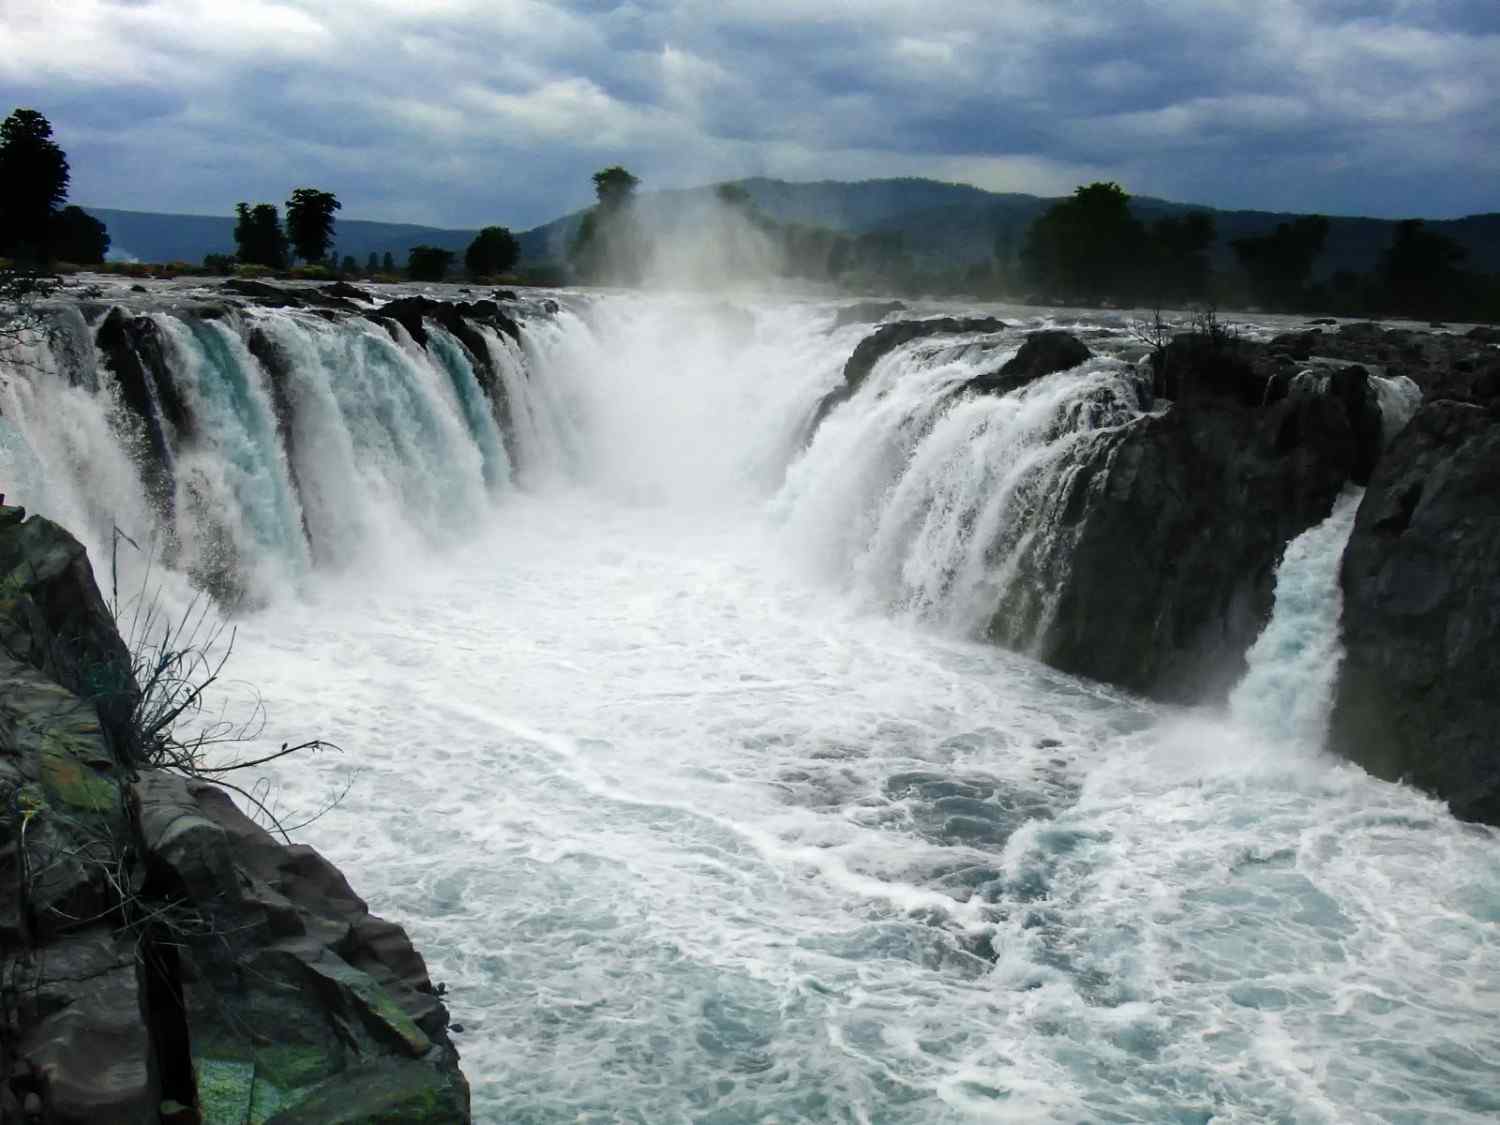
(467, 111)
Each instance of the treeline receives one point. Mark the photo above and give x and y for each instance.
(263, 242)
(1092, 248)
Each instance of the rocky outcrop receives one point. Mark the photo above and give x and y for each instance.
(53, 619)
(1156, 570)
(162, 957)
(886, 339)
(1041, 354)
(1416, 699)
(132, 348)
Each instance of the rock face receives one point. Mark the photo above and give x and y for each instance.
(1157, 570)
(1042, 353)
(162, 956)
(1417, 696)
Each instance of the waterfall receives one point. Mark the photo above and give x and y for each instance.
(922, 498)
(242, 448)
(1293, 666)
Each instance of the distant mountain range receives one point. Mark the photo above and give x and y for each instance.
(943, 225)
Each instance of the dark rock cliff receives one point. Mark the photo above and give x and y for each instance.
(1417, 696)
(1156, 571)
(162, 957)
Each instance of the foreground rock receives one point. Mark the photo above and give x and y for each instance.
(1417, 697)
(164, 958)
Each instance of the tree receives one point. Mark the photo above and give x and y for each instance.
(309, 222)
(388, 263)
(1422, 270)
(33, 184)
(348, 267)
(372, 263)
(428, 263)
(614, 188)
(1087, 246)
(78, 237)
(219, 263)
(494, 250)
(258, 236)
(1279, 263)
(608, 245)
(1179, 248)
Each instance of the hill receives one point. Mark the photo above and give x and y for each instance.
(153, 237)
(944, 225)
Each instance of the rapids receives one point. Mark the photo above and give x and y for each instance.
(670, 742)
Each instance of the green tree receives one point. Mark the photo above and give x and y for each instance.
(33, 184)
(258, 236)
(219, 263)
(388, 263)
(1087, 246)
(309, 222)
(348, 267)
(1279, 263)
(428, 263)
(78, 237)
(494, 250)
(372, 263)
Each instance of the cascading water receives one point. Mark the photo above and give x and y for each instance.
(693, 830)
(1293, 665)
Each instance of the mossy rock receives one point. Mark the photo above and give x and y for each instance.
(225, 1087)
(381, 1092)
(70, 781)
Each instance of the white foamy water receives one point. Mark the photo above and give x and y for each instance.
(695, 828)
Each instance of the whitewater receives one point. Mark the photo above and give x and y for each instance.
(668, 734)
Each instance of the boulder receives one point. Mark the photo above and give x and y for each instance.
(53, 618)
(1042, 353)
(292, 991)
(1416, 697)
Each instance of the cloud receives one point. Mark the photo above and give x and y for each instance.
(463, 112)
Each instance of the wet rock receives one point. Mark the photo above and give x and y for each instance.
(1484, 334)
(133, 349)
(262, 293)
(886, 339)
(1421, 622)
(347, 291)
(1157, 572)
(1042, 353)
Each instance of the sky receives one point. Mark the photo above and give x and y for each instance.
(462, 113)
